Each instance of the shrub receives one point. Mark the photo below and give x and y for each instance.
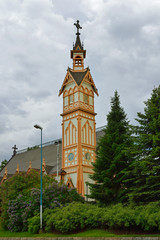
(74, 217)
(148, 217)
(79, 216)
(65, 219)
(118, 216)
(20, 183)
(25, 207)
(21, 209)
(15, 210)
(34, 224)
(57, 194)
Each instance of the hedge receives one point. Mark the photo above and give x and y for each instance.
(78, 216)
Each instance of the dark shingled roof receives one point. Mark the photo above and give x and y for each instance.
(78, 76)
(49, 153)
(99, 133)
(78, 43)
(23, 159)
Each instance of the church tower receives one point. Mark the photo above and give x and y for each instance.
(78, 120)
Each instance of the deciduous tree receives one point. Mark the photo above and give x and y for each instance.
(3, 164)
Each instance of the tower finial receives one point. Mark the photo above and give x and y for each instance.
(78, 27)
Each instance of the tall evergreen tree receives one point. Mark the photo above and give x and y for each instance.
(111, 157)
(145, 178)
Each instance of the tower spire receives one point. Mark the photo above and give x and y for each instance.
(78, 53)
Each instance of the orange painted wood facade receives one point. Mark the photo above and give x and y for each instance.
(78, 122)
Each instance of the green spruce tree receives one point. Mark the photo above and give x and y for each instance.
(111, 157)
(145, 171)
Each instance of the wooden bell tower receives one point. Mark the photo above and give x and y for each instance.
(78, 120)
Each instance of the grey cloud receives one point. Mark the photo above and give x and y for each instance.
(72, 9)
(123, 51)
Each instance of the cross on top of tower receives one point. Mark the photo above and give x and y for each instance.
(78, 27)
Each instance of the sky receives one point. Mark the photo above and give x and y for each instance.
(122, 40)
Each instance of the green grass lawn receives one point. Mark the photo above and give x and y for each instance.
(87, 233)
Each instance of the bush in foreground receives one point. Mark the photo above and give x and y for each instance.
(23, 207)
(74, 217)
(20, 184)
(34, 224)
(80, 216)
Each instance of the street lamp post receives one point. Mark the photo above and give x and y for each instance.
(39, 127)
(57, 143)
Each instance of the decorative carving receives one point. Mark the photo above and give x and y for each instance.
(87, 133)
(30, 165)
(17, 170)
(5, 173)
(71, 170)
(71, 134)
(4, 176)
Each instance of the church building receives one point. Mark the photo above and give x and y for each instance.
(69, 158)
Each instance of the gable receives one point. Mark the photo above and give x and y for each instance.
(67, 80)
(78, 78)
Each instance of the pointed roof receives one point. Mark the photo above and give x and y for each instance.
(78, 45)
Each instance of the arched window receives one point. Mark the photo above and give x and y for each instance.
(70, 96)
(86, 98)
(71, 99)
(78, 61)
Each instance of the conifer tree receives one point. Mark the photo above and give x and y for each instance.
(111, 157)
(145, 171)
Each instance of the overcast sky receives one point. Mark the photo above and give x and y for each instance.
(122, 40)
